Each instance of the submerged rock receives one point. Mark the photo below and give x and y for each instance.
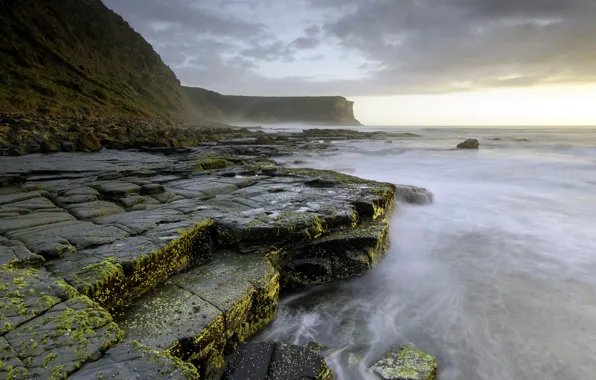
(266, 360)
(415, 195)
(404, 362)
(469, 144)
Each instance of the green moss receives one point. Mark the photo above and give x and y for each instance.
(408, 363)
(48, 359)
(113, 289)
(211, 164)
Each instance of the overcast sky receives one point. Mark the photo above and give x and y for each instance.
(369, 47)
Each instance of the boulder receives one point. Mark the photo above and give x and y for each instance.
(88, 141)
(49, 147)
(469, 144)
(404, 362)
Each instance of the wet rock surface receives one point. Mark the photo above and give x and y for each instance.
(414, 195)
(130, 259)
(404, 362)
(266, 360)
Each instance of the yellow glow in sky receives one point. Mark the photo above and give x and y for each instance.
(550, 106)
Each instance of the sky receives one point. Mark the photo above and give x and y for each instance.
(404, 62)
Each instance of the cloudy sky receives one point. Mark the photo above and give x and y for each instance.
(499, 61)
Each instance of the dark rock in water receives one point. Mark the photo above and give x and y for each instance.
(265, 360)
(469, 144)
(414, 195)
(404, 362)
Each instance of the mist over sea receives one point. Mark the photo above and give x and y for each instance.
(497, 278)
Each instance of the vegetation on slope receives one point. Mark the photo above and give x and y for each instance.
(78, 58)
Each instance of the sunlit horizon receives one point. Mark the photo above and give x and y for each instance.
(554, 106)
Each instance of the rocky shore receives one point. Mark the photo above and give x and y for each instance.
(158, 262)
(22, 134)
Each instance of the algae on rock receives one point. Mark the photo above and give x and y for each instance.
(404, 362)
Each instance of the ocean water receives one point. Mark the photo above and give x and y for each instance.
(496, 279)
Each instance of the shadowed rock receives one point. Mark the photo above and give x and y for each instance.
(265, 360)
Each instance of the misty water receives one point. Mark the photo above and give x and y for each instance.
(497, 278)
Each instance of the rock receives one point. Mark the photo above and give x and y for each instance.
(68, 146)
(90, 210)
(338, 255)
(49, 147)
(88, 141)
(241, 290)
(266, 360)
(414, 195)
(264, 140)
(404, 362)
(194, 267)
(52, 330)
(16, 151)
(469, 144)
(120, 144)
(133, 361)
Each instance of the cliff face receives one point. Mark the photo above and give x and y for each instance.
(77, 57)
(323, 110)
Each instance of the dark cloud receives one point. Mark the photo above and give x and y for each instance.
(401, 46)
(306, 42)
(312, 31)
(429, 45)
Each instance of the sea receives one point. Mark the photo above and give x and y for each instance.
(496, 278)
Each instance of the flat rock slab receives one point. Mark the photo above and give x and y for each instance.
(90, 210)
(48, 330)
(116, 189)
(42, 218)
(21, 196)
(272, 361)
(15, 252)
(58, 239)
(137, 222)
(69, 334)
(27, 293)
(198, 313)
(133, 361)
(404, 362)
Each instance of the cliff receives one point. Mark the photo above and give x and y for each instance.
(78, 58)
(319, 110)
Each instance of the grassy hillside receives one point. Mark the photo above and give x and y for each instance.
(78, 58)
(322, 110)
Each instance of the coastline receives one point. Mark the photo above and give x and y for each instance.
(129, 235)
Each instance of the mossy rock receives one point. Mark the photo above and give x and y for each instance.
(211, 164)
(404, 362)
(88, 141)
